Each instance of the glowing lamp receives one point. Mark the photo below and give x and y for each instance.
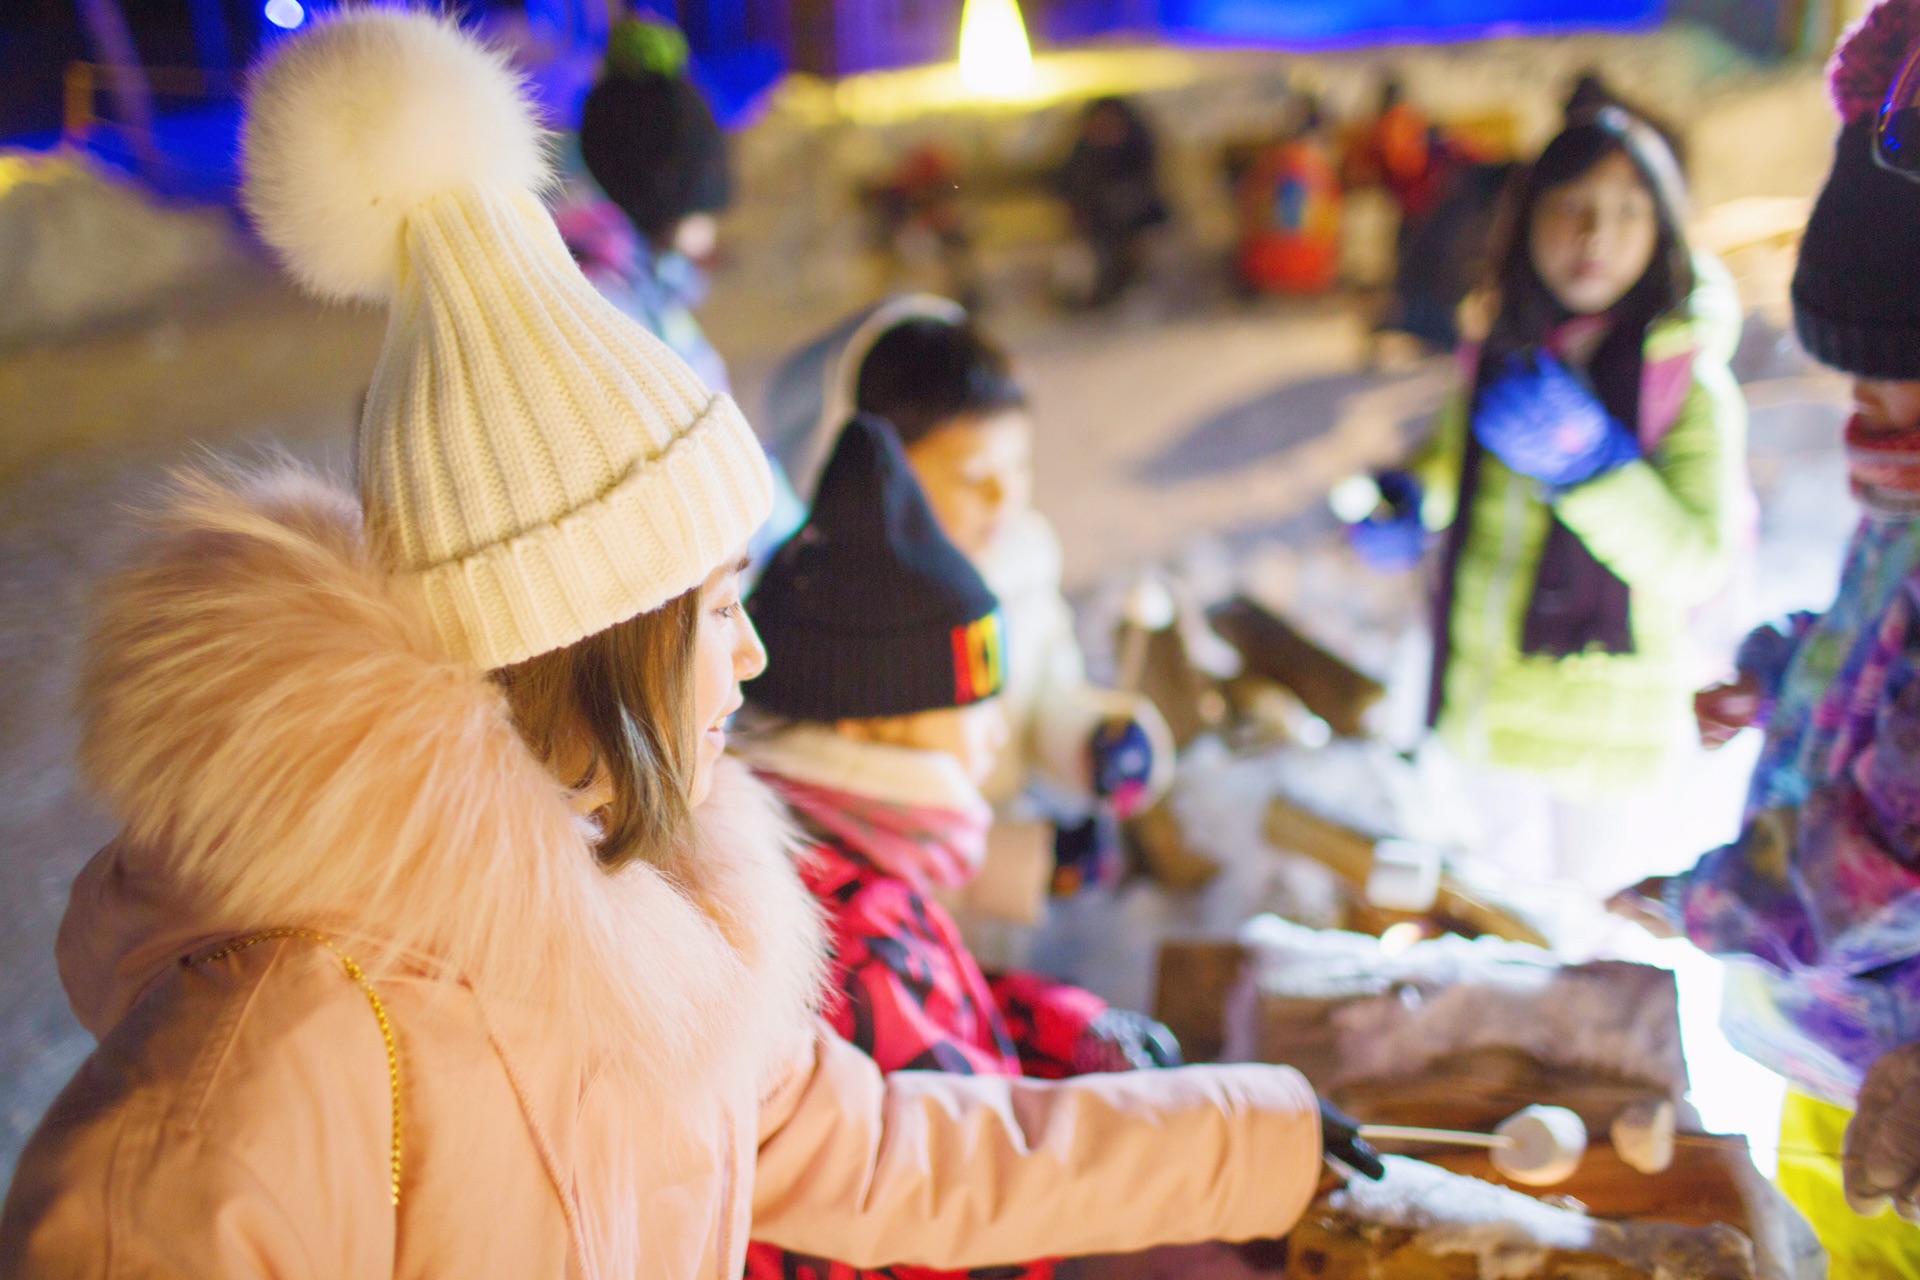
(995, 60)
(285, 14)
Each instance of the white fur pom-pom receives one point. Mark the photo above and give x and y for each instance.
(353, 123)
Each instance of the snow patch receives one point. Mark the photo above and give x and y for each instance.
(1452, 995)
(1510, 1233)
(79, 247)
(1511, 1236)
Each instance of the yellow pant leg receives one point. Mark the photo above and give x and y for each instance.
(1878, 1248)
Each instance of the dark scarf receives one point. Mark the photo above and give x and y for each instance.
(1578, 603)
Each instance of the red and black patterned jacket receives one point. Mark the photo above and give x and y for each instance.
(909, 993)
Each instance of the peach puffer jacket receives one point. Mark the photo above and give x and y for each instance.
(368, 1007)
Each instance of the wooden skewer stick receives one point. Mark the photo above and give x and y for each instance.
(1445, 1137)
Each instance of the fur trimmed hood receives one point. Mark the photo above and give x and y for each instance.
(285, 743)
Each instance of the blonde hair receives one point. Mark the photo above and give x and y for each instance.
(620, 702)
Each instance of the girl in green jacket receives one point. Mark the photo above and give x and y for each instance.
(1590, 481)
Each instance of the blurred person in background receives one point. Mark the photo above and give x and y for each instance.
(1590, 479)
(1289, 204)
(644, 181)
(878, 723)
(1079, 756)
(1446, 196)
(1110, 182)
(1397, 151)
(921, 222)
(649, 142)
(1816, 907)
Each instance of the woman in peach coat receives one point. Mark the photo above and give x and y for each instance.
(440, 939)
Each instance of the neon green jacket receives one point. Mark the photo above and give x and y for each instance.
(1669, 525)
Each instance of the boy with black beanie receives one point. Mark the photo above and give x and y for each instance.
(1079, 754)
(876, 722)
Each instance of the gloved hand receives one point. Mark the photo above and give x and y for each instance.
(1086, 853)
(1122, 763)
(1340, 1140)
(1881, 1153)
(1543, 422)
(1723, 710)
(1645, 903)
(1122, 1040)
(1390, 536)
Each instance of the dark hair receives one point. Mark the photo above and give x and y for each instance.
(1591, 95)
(1120, 110)
(651, 142)
(620, 701)
(924, 373)
(1528, 311)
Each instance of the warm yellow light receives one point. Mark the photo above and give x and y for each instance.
(995, 61)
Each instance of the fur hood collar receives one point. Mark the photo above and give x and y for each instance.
(285, 743)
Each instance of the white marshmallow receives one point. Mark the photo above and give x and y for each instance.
(1543, 1145)
(1149, 605)
(1643, 1135)
(1405, 876)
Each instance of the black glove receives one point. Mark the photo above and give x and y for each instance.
(1122, 1040)
(1087, 854)
(1340, 1140)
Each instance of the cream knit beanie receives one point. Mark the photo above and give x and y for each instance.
(534, 463)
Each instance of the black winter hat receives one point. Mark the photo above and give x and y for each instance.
(650, 140)
(869, 611)
(1856, 291)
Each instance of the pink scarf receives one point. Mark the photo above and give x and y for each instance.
(925, 845)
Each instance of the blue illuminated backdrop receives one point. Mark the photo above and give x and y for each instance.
(1307, 22)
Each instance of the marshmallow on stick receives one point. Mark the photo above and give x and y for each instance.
(1538, 1146)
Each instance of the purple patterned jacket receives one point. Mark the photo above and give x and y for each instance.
(1816, 906)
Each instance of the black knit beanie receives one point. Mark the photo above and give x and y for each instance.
(1856, 292)
(869, 611)
(650, 140)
